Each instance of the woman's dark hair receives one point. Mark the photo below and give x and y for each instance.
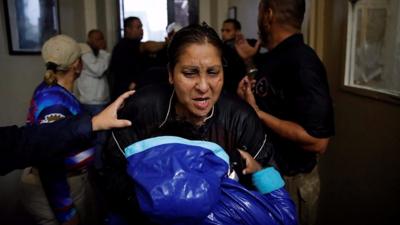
(192, 34)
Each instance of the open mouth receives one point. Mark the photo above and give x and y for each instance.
(201, 103)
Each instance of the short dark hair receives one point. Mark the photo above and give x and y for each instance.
(128, 21)
(235, 22)
(192, 34)
(289, 12)
(92, 31)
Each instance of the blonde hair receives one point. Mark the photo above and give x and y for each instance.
(52, 70)
(50, 77)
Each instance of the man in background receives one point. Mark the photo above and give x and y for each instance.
(91, 88)
(234, 66)
(291, 96)
(124, 64)
(127, 60)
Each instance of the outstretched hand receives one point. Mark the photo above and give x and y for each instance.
(251, 164)
(244, 49)
(107, 119)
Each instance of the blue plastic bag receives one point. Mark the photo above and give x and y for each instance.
(178, 181)
(238, 205)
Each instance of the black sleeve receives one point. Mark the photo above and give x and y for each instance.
(313, 105)
(34, 145)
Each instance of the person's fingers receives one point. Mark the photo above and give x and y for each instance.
(239, 39)
(248, 89)
(241, 84)
(251, 164)
(120, 100)
(258, 44)
(126, 95)
(122, 123)
(132, 86)
(245, 156)
(241, 87)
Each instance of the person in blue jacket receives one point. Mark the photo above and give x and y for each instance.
(25, 146)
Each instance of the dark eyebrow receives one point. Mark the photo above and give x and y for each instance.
(196, 67)
(214, 67)
(187, 67)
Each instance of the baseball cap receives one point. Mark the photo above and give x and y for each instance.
(85, 48)
(61, 50)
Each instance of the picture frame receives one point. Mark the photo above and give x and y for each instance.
(29, 24)
(232, 12)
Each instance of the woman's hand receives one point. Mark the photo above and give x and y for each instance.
(251, 164)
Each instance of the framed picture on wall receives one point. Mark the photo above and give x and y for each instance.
(29, 24)
(232, 12)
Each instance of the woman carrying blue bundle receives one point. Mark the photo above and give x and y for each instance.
(179, 181)
(191, 107)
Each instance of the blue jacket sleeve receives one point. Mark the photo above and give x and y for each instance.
(34, 145)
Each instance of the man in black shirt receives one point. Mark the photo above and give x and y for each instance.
(234, 66)
(124, 64)
(129, 58)
(291, 96)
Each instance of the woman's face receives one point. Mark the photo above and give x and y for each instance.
(198, 79)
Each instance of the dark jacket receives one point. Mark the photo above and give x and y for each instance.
(232, 124)
(34, 145)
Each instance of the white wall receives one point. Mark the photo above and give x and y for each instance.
(107, 18)
(247, 11)
(204, 11)
(213, 12)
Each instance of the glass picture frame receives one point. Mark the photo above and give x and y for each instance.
(232, 12)
(29, 24)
